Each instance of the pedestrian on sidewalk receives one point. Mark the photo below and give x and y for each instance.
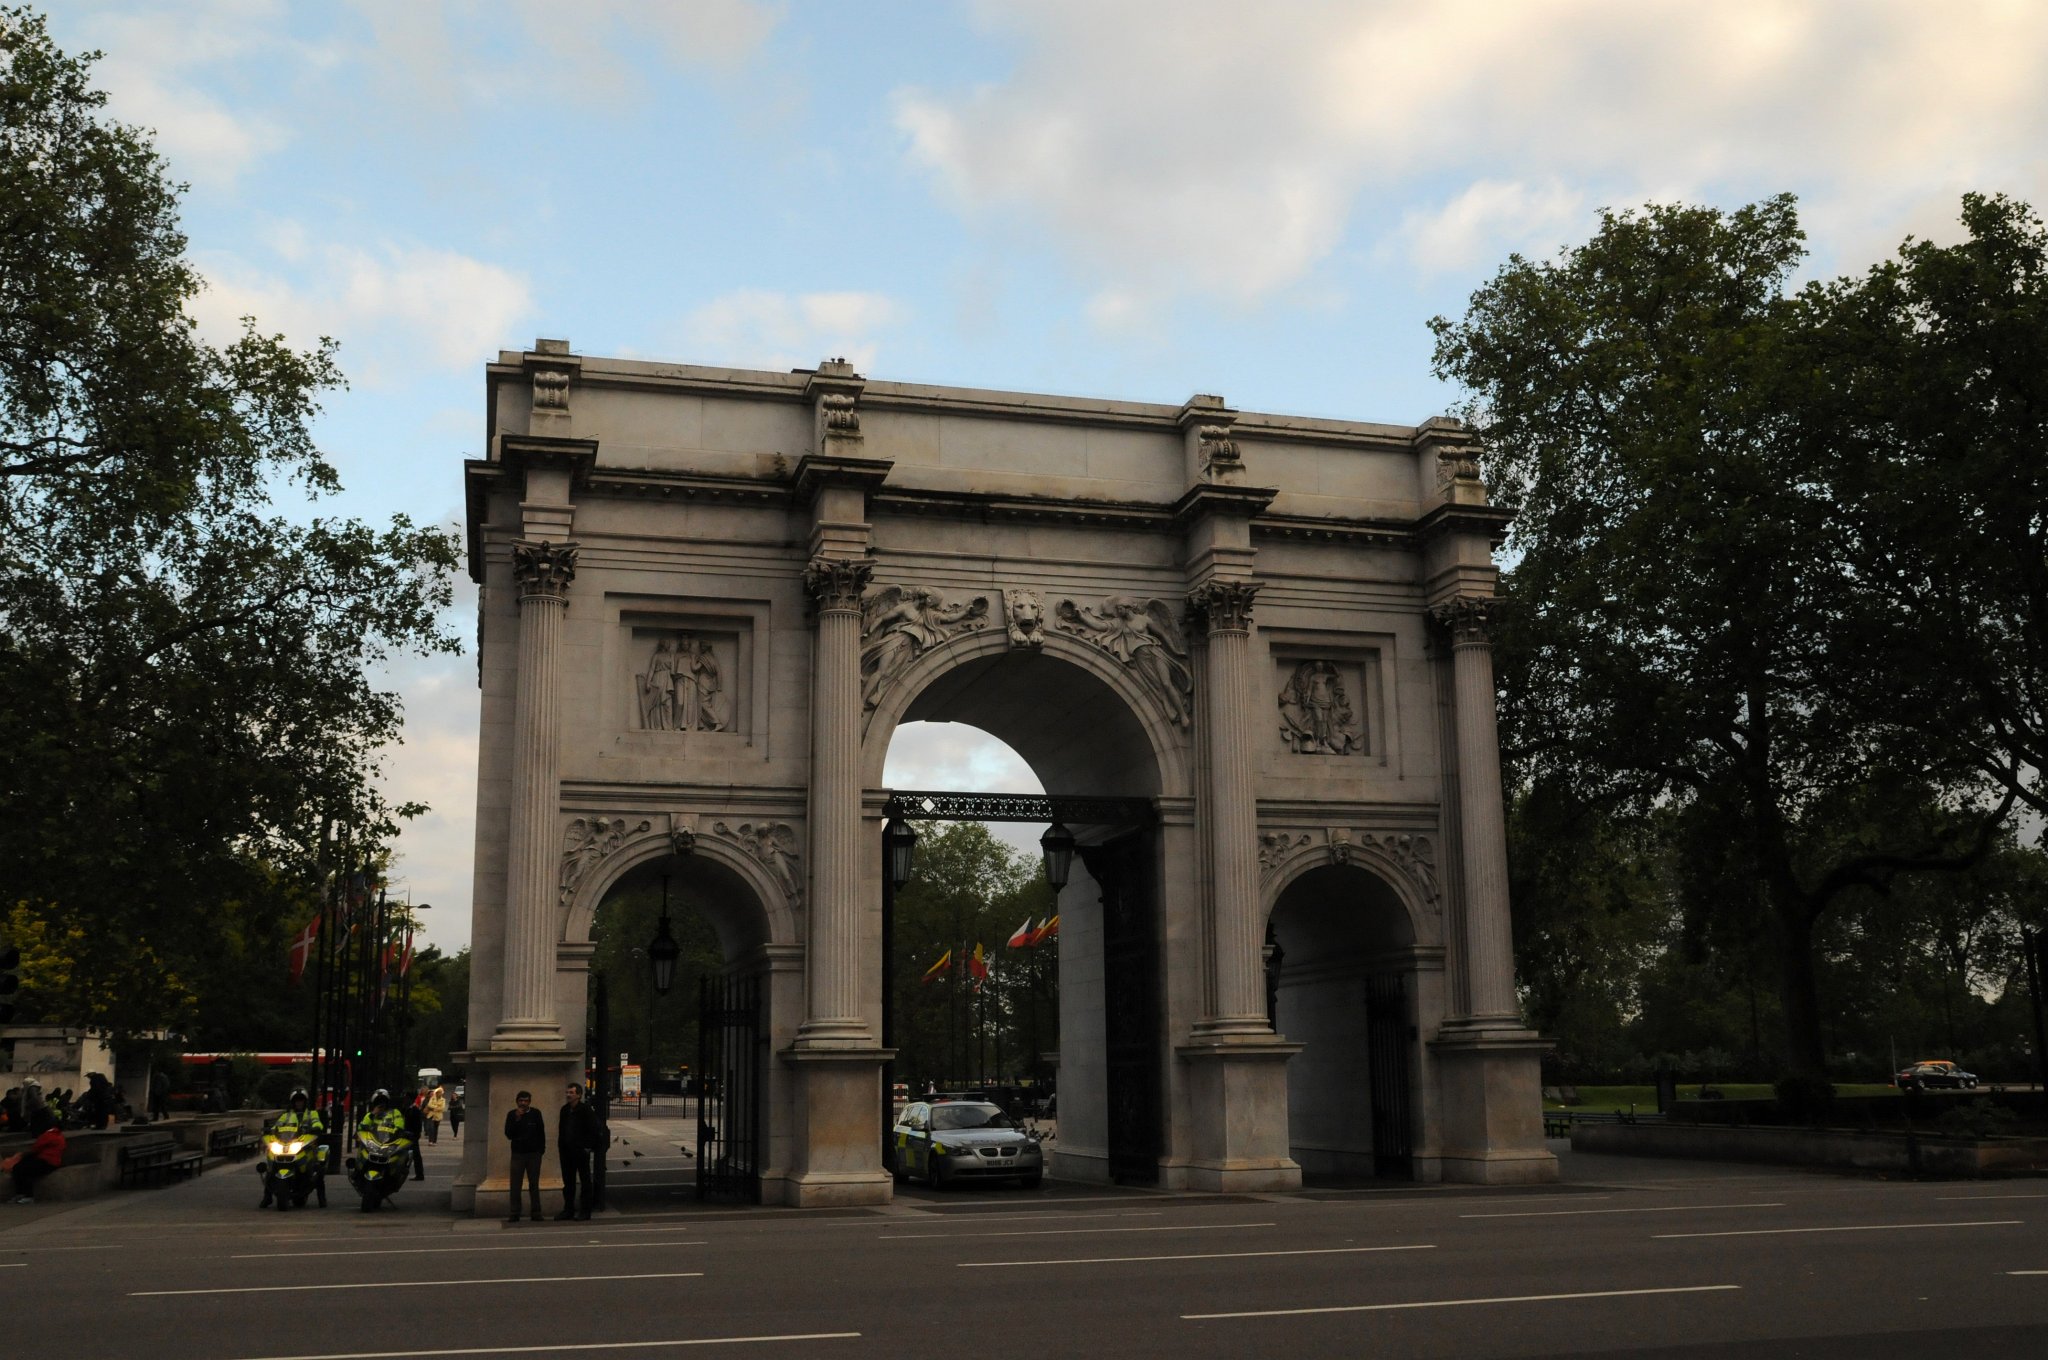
(413, 1122)
(435, 1110)
(577, 1137)
(456, 1113)
(527, 1131)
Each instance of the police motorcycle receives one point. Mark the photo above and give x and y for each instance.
(293, 1163)
(383, 1156)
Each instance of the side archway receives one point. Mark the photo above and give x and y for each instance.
(1342, 956)
(741, 899)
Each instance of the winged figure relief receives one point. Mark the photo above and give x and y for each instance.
(1144, 636)
(898, 623)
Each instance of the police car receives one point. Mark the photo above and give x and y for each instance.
(944, 1142)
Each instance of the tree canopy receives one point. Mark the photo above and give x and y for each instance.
(1718, 564)
(186, 703)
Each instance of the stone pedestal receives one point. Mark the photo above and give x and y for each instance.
(1491, 1081)
(503, 1075)
(1237, 1096)
(838, 1142)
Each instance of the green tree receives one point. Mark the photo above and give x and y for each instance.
(1931, 372)
(970, 888)
(185, 708)
(1689, 615)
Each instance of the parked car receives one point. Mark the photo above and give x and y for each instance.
(943, 1142)
(1922, 1076)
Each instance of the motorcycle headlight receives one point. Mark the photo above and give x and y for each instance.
(276, 1148)
(296, 1146)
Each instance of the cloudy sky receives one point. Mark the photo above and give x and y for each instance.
(1137, 198)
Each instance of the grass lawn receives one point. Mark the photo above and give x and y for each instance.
(1600, 1099)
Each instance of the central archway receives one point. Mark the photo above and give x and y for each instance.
(1085, 729)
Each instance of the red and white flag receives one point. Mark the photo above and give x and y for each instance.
(302, 947)
(1049, 931)
(1023, 935)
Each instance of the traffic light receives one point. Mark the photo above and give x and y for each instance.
(10, 981)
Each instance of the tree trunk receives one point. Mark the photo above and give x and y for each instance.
(1805, 1054)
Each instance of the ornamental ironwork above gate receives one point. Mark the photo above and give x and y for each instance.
(1019, 807)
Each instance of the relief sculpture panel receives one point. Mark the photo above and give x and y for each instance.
(1316, 713)
(683, 687)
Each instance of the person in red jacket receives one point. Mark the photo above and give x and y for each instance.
(44, 1155)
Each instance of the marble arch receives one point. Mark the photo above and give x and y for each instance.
(708, 596)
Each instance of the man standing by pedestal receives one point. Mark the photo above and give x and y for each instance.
(577, 1139)
(527, 1130)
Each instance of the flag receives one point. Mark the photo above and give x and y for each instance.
(1049, 931)
(944, 965)
(302, 947)
(977, 967)
(1023, 935)
(405, 963)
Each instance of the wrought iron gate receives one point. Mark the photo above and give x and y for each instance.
(1131, 1025)
(729, 1066)
(1387, 1040)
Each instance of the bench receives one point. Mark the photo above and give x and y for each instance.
(155, 1155)
(233, 1141)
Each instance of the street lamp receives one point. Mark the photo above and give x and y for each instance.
(663, 949)
(662, 952)
(1058, 845)
(899, 845)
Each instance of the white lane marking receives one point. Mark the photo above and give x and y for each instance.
(559, 1348)
(1073, 1232)
(1201, 1256)
(443, 1251)
(1663, 1209)
(1853, 1227)
(408, 1284)
(1045, 1216)
(15, 1264)
(1466, 1303)
(1958, 1197)
(2027, 1272)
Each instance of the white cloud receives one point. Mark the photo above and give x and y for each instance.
(1487, 220)
(156, 64)
(394, 308)
(759, 328)
(458, 54)
(1211, 148)
(436, 765)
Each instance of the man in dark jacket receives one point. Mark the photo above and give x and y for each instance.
(415, 1125)
(578, 1136)
(527, 1130)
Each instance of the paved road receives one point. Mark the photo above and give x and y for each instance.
(1629, 1256)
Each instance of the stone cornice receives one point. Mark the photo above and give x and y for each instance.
(798, 386)
(1489, 520)
(1213, 499)
(818, 471)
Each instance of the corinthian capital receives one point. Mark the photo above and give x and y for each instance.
(544, 567)
(1468, 617)
(1222, 606)
(837, 582)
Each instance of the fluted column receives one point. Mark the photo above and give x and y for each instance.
(1224, 609)
(832, 1000)
(1482, 828)
(543, 571)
